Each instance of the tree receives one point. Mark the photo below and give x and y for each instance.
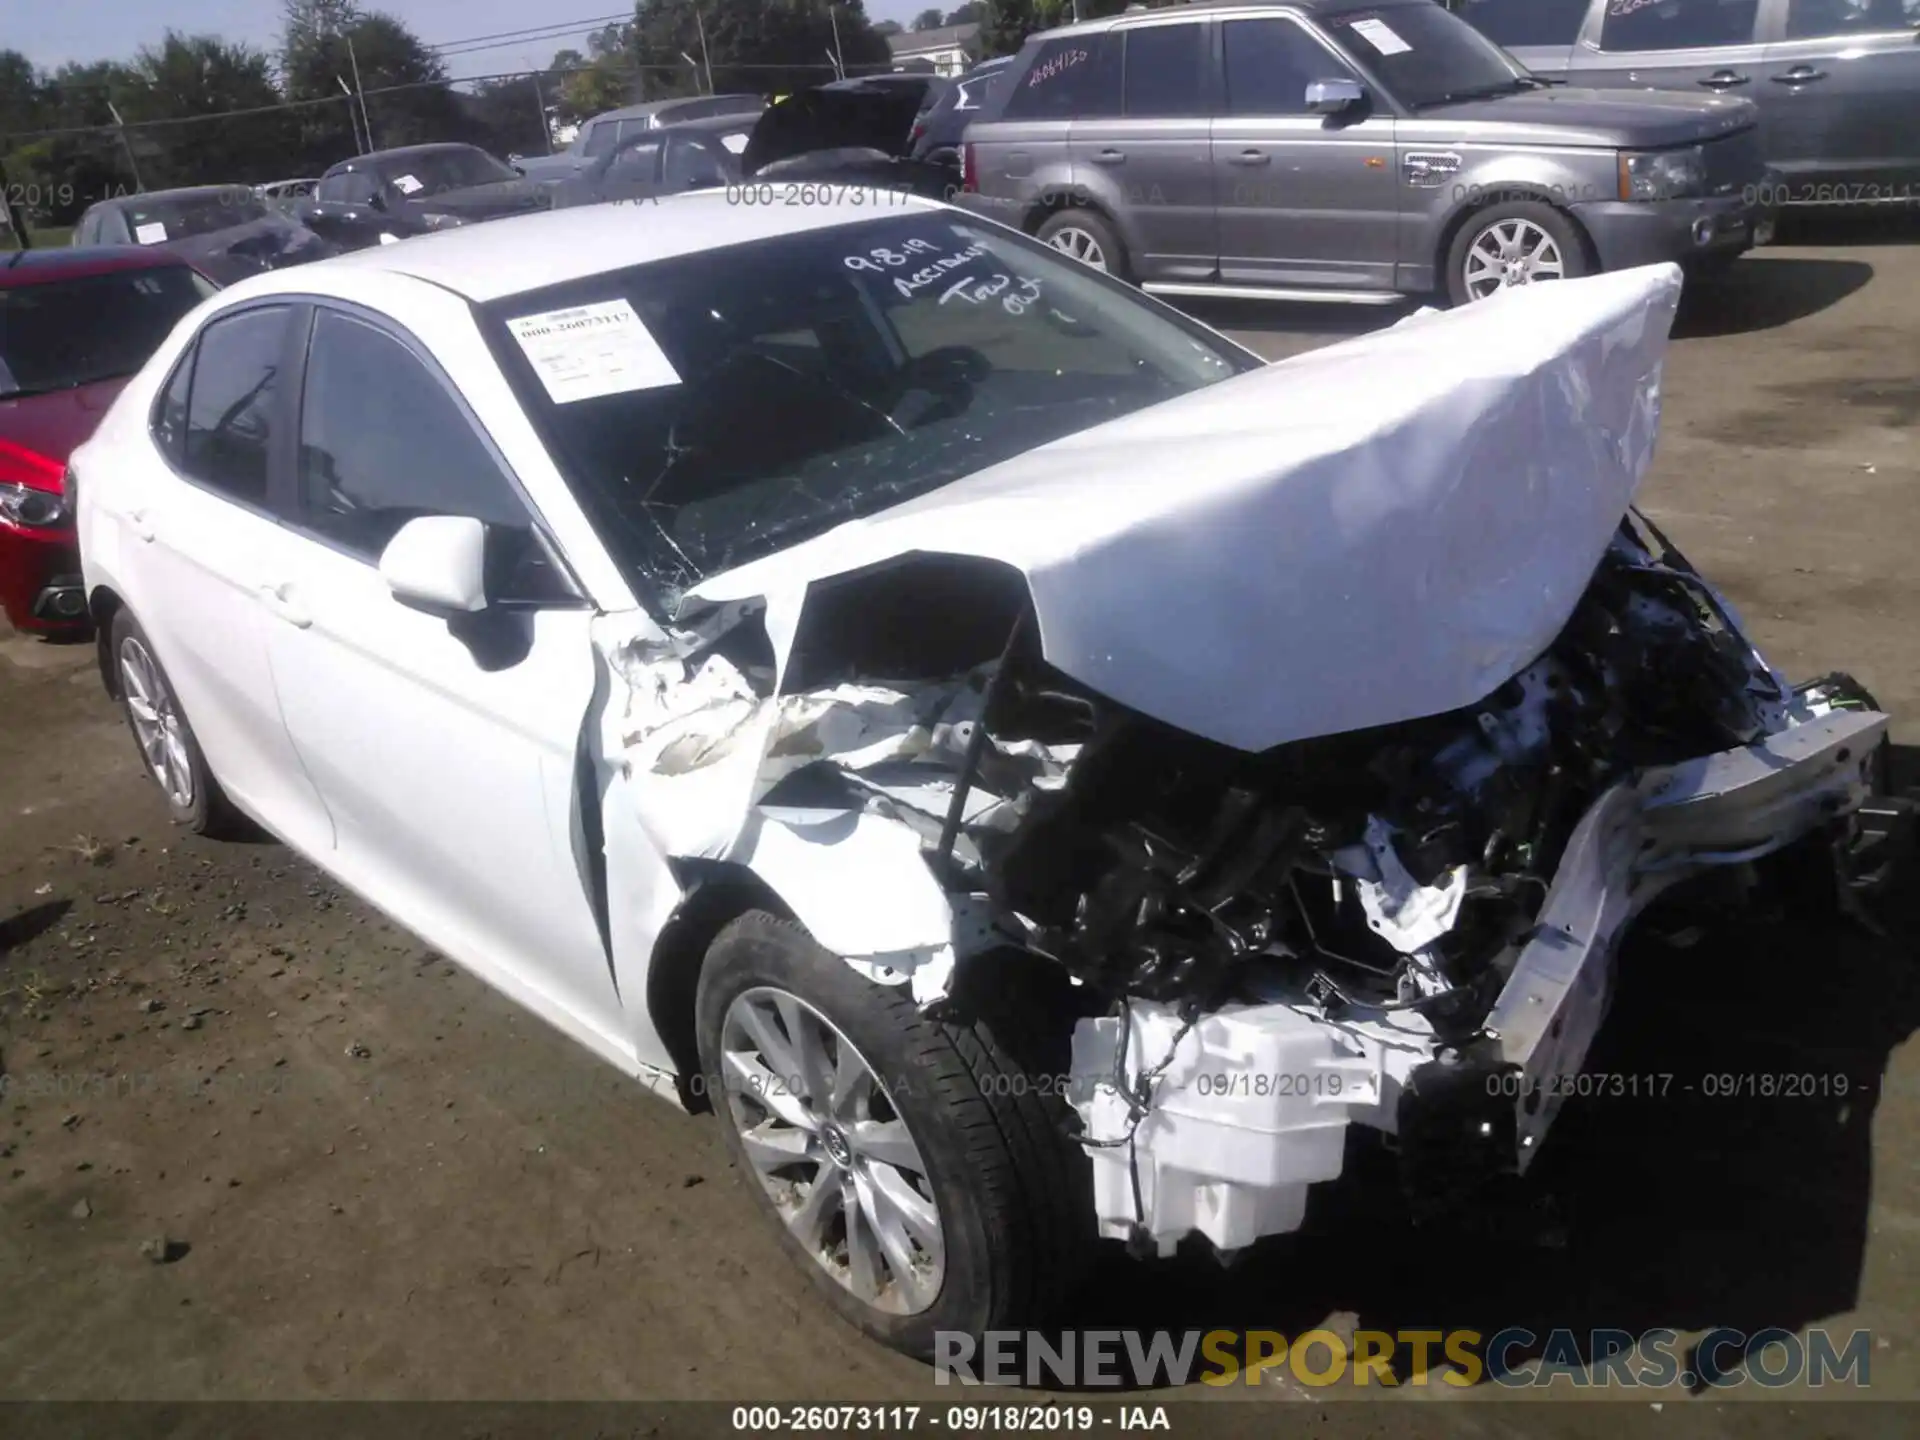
(408, 101)
(202, 75)
(761, 46)
(885, 28)
(928, 20)
(972, 13)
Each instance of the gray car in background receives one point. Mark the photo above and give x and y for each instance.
(1837, 82)
(601, 135)
(1349, 150)
(226, 232)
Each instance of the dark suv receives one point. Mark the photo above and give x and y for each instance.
(1350, 150)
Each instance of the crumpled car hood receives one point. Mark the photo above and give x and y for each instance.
(1367, 534)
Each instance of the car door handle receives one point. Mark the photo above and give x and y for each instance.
(1109, 157)
(1250, 157)
(1724, 80)
(1799, 75)
(137, 522)
(277, 598)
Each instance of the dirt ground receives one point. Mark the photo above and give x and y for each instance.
(380, 1181)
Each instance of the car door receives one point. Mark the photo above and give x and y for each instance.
(201, 536)
(1693, 45)
(445, 749)
(1304, 199)
(1153, 157)
(1842, 91)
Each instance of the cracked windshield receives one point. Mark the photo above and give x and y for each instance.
(789, 385)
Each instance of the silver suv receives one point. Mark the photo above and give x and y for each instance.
(1837, 81)
(1350, 150)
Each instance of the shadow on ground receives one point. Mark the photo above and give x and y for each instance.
(1697, 1204)
(1764, 291)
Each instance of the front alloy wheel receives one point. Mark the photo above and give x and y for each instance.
(1511, 252)
(834, 1156)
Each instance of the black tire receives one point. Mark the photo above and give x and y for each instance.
(1095, 225)
(1566, 236)
(1013, 1192)
(206, 811)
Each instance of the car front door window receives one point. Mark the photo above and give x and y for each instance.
(1270, 63)
(231, 403)
(382, 442)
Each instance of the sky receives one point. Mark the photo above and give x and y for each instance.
(52, 32)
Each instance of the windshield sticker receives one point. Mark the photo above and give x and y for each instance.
(407, 185)
(1056, 65)
(1622, 8)
(150, 234)
(1381, 37)
(735, 143)
(592, 350)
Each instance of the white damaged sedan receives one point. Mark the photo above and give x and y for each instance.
(1034, 771)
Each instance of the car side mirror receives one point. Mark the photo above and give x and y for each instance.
(437, 563)
(1334, 97)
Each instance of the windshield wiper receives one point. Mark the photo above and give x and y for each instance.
(1476, 92)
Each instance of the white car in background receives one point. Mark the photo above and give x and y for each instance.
(1037, 772)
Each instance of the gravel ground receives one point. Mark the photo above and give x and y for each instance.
(257, 1143)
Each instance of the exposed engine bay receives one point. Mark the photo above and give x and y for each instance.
(1419, 714)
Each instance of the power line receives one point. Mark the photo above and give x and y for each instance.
(535, 32)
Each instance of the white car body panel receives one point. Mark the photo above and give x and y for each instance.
(1382, 530)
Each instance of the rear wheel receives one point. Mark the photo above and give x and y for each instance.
(166, 741)
(918, 1170)
(1088, 238)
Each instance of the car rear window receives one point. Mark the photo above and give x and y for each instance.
(67, 333)
(155, 221)
(720, 406)
(1638, 25)
(1073, 75)
(1514, 23)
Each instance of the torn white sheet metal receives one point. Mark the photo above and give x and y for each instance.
(1380, 530)
(1406, 914)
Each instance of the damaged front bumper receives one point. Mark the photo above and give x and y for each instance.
(1220, 1123)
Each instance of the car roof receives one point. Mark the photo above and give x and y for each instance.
(654, 107)
(73, 262)
(399, 152)
(530, 252)
(180, 192)
(1203, 7)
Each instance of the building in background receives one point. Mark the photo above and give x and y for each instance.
(950, 50)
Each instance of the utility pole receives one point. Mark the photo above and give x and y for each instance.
(839, 56)
(706, 59)
(540, 104)
(353, 118)
(365, 119)
(127, 145)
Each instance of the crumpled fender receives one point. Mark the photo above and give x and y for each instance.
(862, 887)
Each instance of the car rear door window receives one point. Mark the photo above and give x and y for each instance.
(1163, 74)
(1270, 63)
(1516, 23)
(1637, 25)
(1077, 75)
(1818, 19)
(382, 441)
(232, 402)
(636, 164)
(601, 135)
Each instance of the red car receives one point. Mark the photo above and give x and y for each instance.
(74, 325)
